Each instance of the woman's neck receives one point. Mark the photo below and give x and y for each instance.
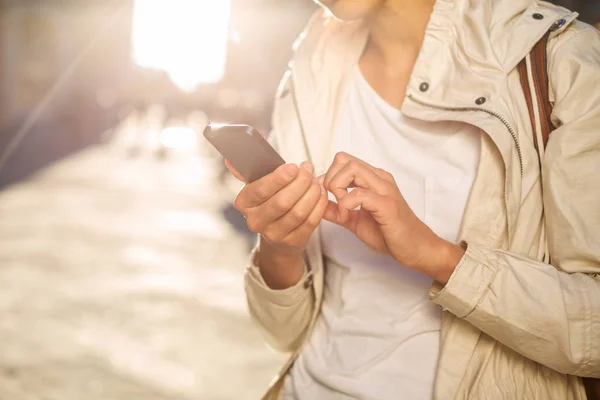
(397, 31)
(396, 35)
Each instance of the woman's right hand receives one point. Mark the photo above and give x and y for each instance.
(284, 207)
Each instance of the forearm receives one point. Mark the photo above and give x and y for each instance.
(280, 269)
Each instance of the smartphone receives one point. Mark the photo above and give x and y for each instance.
(245, 149)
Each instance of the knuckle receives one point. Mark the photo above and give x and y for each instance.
(341, 156)
(384, 173)
(305, 179)
(238, 203)
(391, 178)
(280, 178)
(271, 236)
(260, 191)
(282, 204)
(254, 225)
(292, 240)
(312, 222)
(298, 215)
(359, 192)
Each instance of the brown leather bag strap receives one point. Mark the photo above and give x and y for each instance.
(538, 63)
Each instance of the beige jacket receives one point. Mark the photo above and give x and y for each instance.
(514, 326)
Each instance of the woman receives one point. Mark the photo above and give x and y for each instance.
(417, 106)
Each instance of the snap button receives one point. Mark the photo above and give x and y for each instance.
(308, 282)
(480, 101)
(538, 16)
(558, 24)
(423, 87)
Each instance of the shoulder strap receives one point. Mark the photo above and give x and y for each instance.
(533, 72)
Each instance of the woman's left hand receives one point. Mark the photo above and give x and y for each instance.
(384, 221)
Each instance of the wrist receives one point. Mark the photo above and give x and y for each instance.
(450, 256)
(280, 268)
(438, 258)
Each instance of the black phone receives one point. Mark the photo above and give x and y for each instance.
(245, 149)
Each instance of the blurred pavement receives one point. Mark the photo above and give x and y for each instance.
(121, 279)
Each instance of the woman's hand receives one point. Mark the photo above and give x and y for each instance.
(384, 221)
(284, 207)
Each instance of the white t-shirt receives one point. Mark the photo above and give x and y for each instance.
(378, 334)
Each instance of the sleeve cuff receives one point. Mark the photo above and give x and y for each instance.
(467, 285)
(256, 284)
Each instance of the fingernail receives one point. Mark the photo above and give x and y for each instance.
(323, 191)
(321, 179)
(307, 165)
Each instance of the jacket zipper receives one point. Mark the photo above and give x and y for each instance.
(487, 111)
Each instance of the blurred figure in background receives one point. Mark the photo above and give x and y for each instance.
(437, 266)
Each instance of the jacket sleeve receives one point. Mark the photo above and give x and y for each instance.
(283, 316)
(550, 313)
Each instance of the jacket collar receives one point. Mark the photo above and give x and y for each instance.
(471, 43)
(505, 32)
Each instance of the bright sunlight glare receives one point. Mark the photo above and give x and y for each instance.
(185, 38)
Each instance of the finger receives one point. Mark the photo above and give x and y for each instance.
(235, 172)
(332, 213)
(355, 174)
(343, 158)
(359, 175)
(339, 161)
(315, 217)
(298, 214)
(256, 193)
(376, 204)
(284, 200)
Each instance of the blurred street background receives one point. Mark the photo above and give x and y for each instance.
(121, 255)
